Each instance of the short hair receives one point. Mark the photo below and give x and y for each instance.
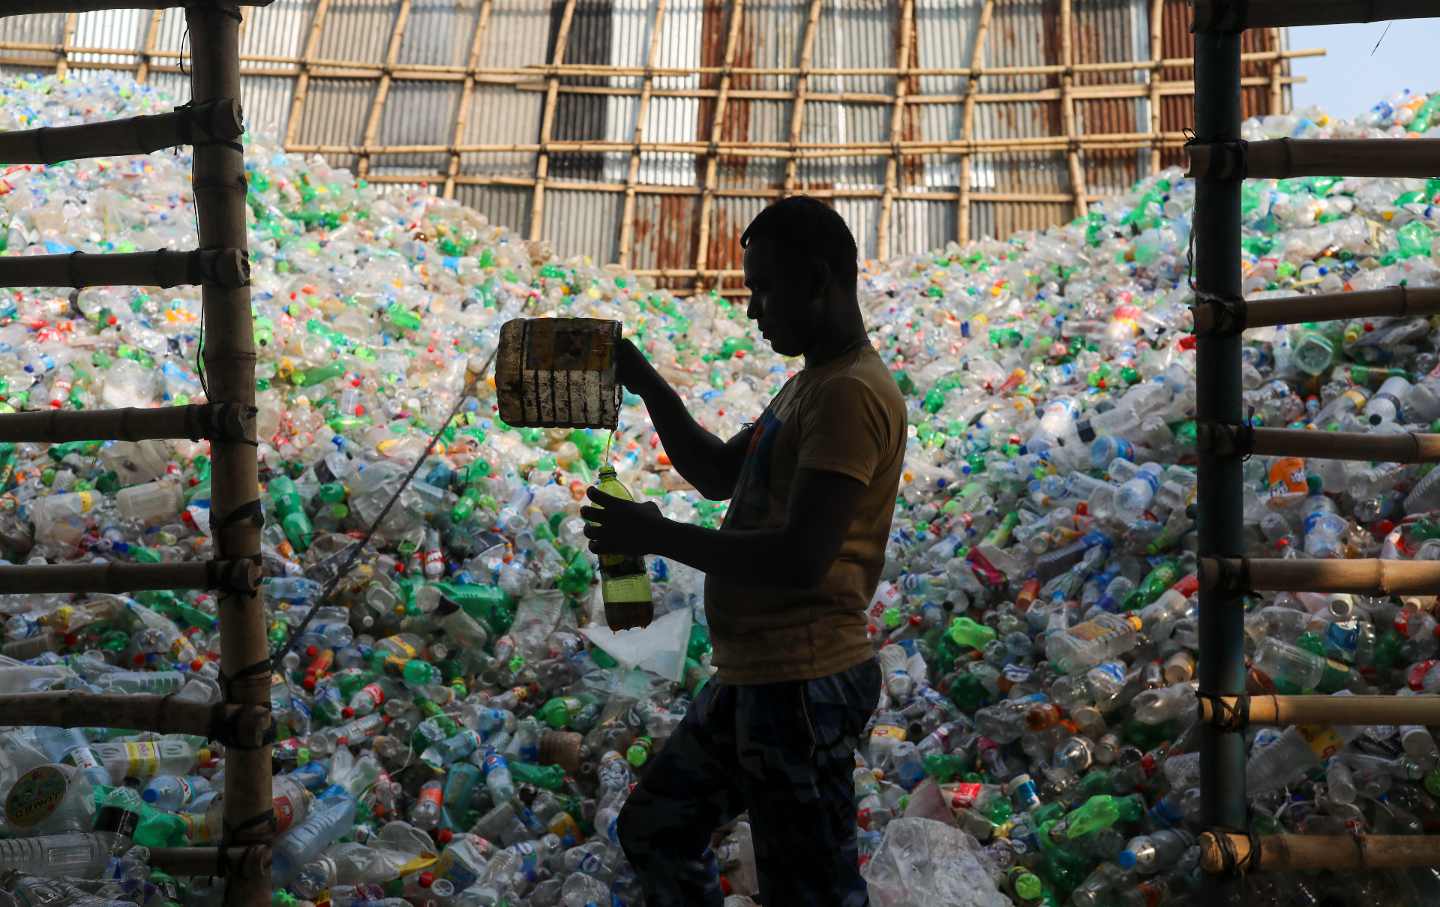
(801, 225)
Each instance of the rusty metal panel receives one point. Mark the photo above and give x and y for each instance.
(666, 232)
(1112, 31)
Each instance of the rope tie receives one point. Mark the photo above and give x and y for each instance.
(1226, 715)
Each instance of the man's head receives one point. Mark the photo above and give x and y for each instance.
(800, 268)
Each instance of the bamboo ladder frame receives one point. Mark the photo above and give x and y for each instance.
(1157, 54)
(801, 95)
(302, 81)
(147, 54)
(627, 218)
(894, 165)
(377, 103)
(712, 156)
(967, 121)
(547, 123)
(467, 96)
(1067, 107)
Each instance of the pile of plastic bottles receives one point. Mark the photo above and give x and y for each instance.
(454, 726)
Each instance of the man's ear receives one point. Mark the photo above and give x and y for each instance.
(820, 277)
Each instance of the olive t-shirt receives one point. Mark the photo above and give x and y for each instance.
(846, 416)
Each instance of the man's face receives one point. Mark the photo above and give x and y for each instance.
(785, 302)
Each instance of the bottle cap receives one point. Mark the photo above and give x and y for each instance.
(1126, 860)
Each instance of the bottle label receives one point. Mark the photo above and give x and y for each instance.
(890, 731)
(35, 796)
(1090, 631)
(284, 808)
(1323, 740)
(142, 760)
(963, 795)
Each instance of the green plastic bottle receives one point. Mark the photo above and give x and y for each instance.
(1103, 811)
(624, 581)
(293, 519)
(967, 632)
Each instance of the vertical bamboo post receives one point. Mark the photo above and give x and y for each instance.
(467, 95)
(547, 123)
(1217, 387)
(802, 91)
(627, 218)
(1067, 106)
(894, 165)
(229, 357)
(967, 119)
(142, 71)
(1157, 53)
(302, 81)
(712, 159)
(67, 37)
(382, 91)
(1277, 71)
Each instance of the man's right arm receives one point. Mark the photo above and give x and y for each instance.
(704, 460)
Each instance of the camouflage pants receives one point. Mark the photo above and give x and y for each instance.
(782, 751)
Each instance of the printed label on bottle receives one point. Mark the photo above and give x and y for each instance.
(284, 813)
(142, 760)
(87, 502)
(1017, 673)
(35, 796)
(889, 731)
(1089, 631)
(963, 795)
(1323, 740)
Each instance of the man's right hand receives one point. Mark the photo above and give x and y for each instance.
(631, 369)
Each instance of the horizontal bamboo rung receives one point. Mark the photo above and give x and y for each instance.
(1233, 440)
(31, 7)
(230, 576)
(229, 268)
(1391, 302)
(1282, 711)
(1365, 576)
(229, 723)
(1223, 853)
(1287, 158)
(213, 421)
(1236, 15)
(212, 121)
(207, 861)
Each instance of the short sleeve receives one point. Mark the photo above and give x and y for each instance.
(845, 428)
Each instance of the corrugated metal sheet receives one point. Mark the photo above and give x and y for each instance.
(506, 109)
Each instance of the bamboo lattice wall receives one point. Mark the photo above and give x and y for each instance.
(649, 132)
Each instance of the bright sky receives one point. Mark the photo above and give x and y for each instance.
(1349, 79)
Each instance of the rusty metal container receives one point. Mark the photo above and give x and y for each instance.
(558, 373)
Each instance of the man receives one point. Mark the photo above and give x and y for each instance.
(788, 577)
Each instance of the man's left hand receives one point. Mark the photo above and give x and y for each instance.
(621, 527)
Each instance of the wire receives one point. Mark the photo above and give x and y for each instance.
(344, 570)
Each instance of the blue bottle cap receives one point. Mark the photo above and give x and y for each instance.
(1126, 860)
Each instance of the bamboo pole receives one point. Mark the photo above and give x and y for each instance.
(382, 91)
(894, 164)
(1286, 158)
(467, 96)
(67, 35)
(717, 126)
(1067, 108)
(152, 30)
(1364, 576)
(160, 268)
(1392, 302)
(212, 861)
(215, 421)
(1276, 69)
(232, 725)
(28, 7)
(967, 119)
(229, 357)
(1294, 853)
(1157, 48)
(802, 90)
(1407, 447)
(118, 577)
(1282, 711)
(627, 217)
(302, 81)
(547, 124)
(1232, 15)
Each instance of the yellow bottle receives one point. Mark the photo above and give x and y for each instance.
(624, 582)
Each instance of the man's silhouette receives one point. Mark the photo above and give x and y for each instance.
(812, 484)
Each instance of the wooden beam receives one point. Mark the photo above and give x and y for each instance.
(152, 30)
(195, 420)
(115, 577)
(712, 159)
(627, 217)
(894, 165)
(1277, 72)
(547, 124)
(1067, 107)
(1286, 158)
(1282, 711)
(467, 96)
(967, 117)
(802, 91)
(1224, 852)
(1362, 576)
(1157, 52)
(216, 122)
(67, 36)
(302, 82)
(243, 725)
(382, 91)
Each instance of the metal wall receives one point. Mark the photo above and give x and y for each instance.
(1000, 126)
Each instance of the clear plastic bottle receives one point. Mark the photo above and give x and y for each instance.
(326, 823)
(1099, 639)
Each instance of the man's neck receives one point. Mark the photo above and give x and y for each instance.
(845, 337)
